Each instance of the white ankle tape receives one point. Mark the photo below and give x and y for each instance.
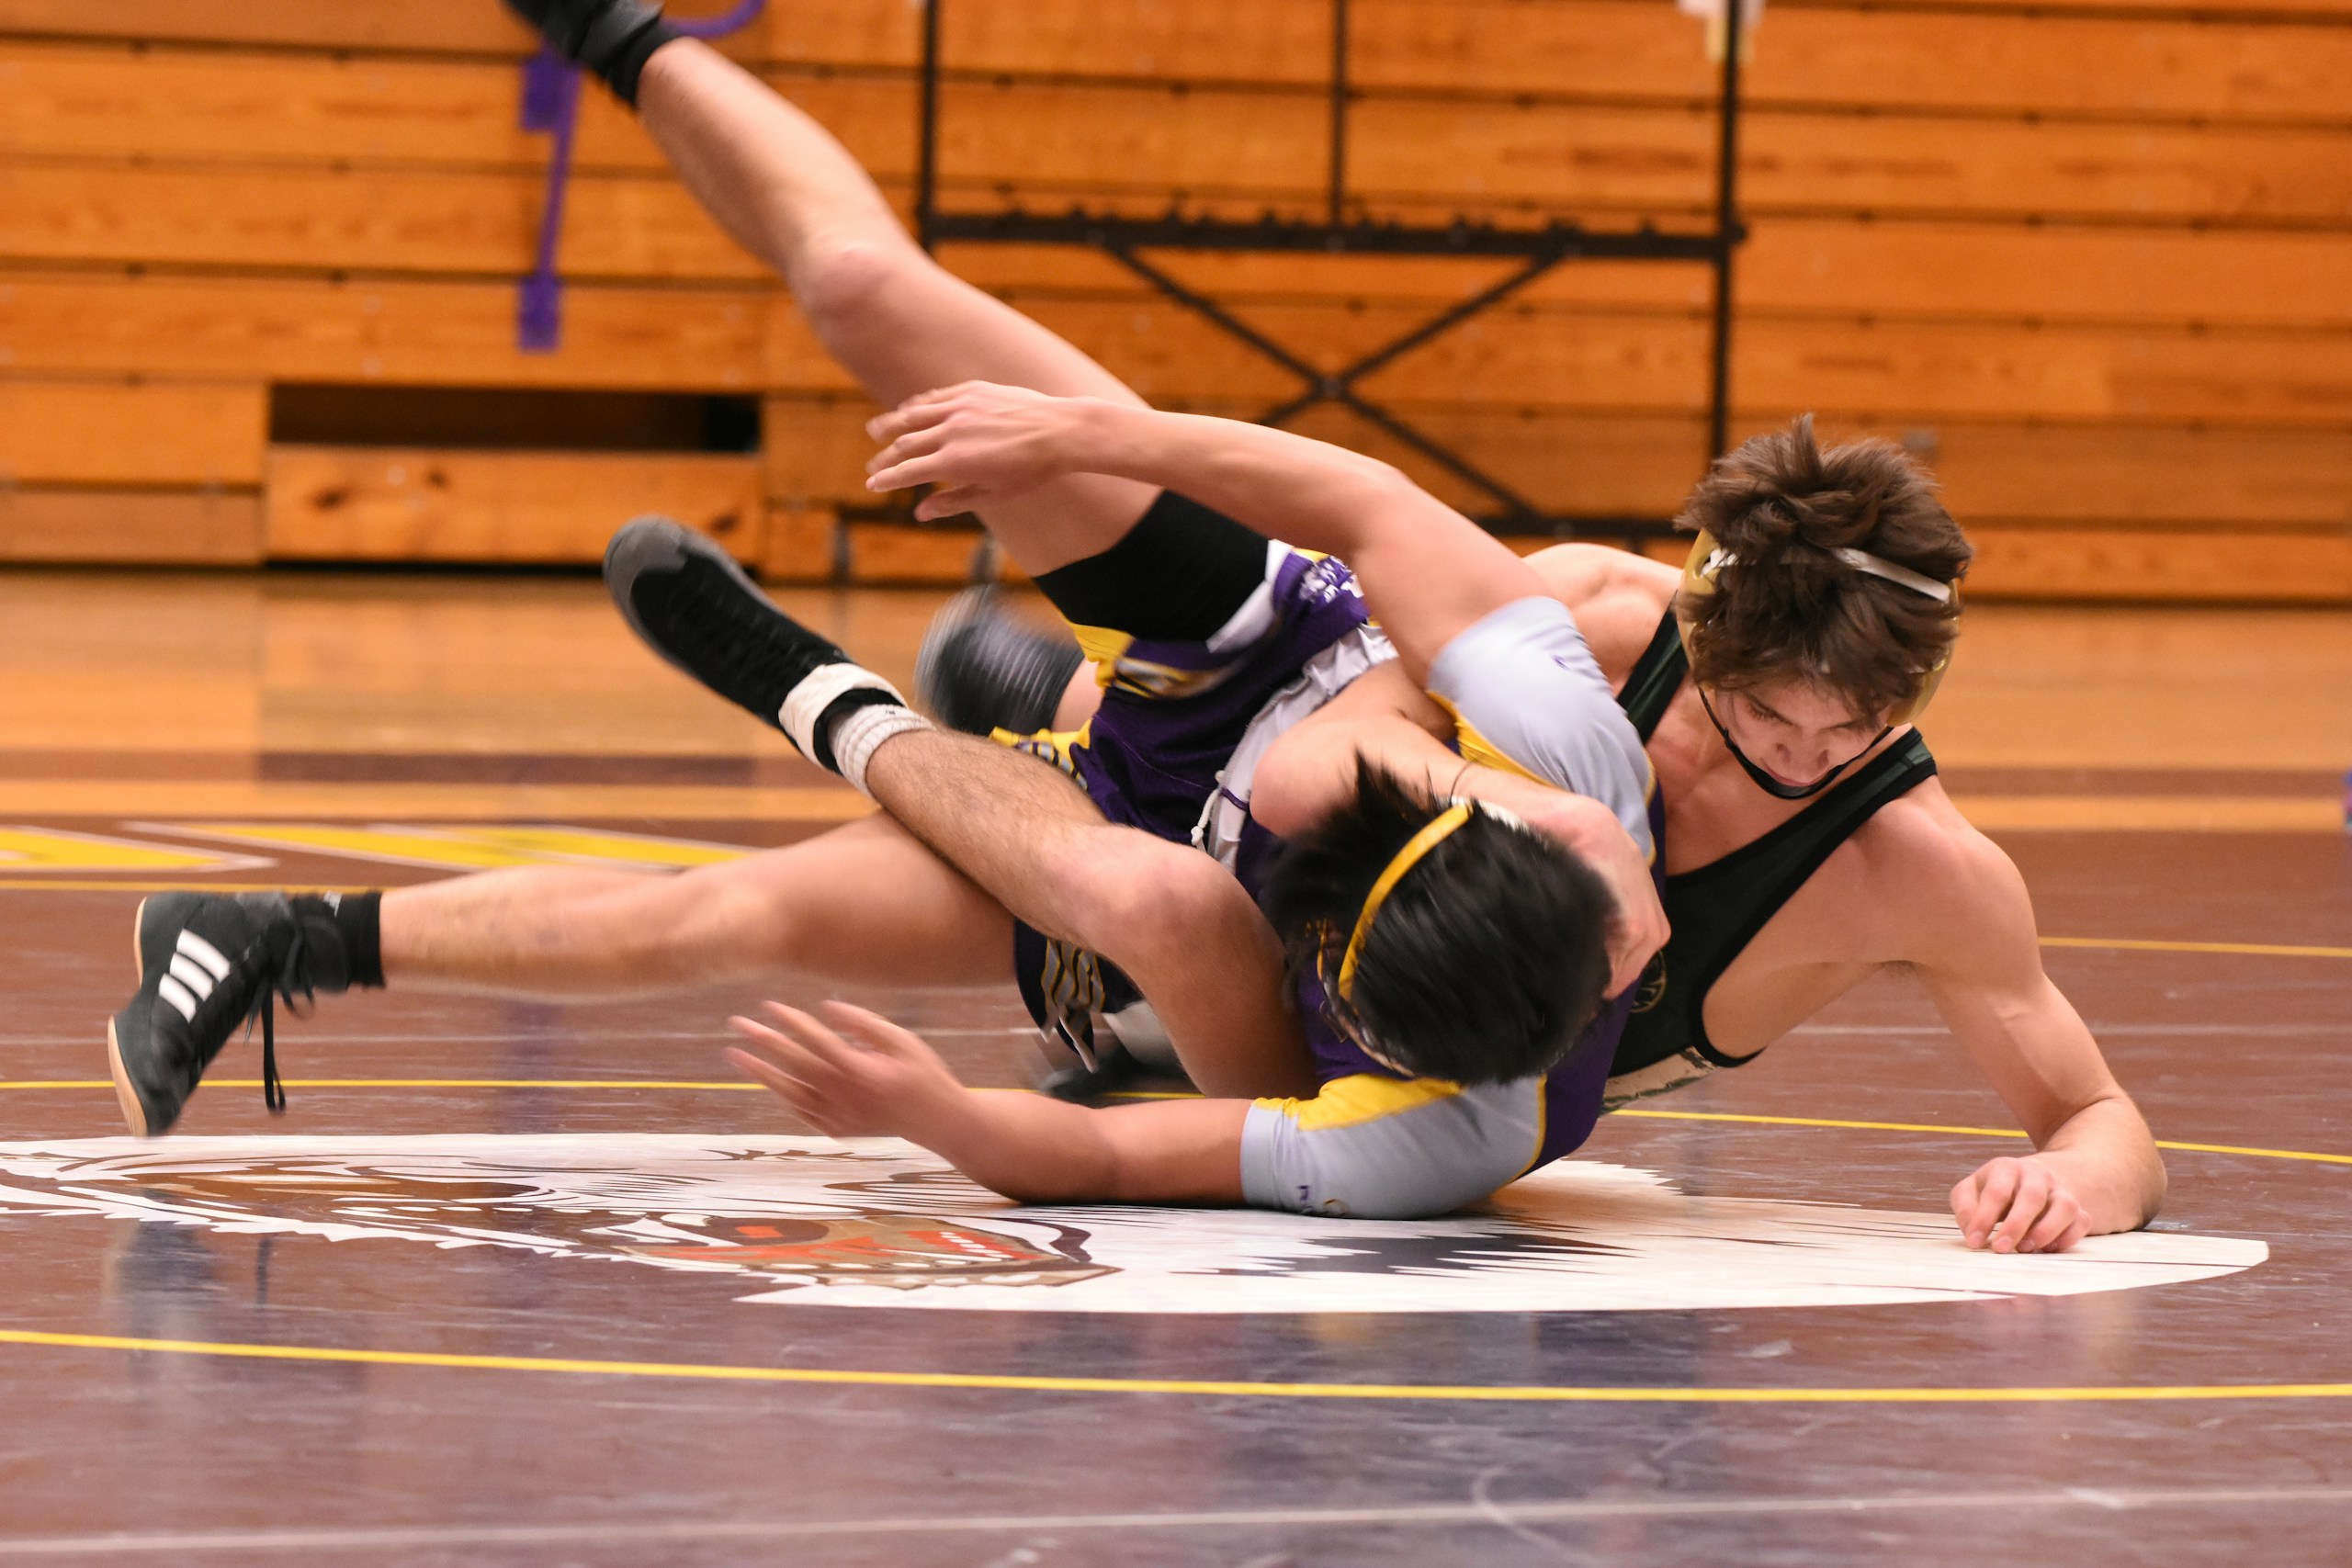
(807, 702)
(860, 734)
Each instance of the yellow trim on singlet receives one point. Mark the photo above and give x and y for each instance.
(1359, 1098)
(1103, 648)
(1477, 748)
(1055, 746)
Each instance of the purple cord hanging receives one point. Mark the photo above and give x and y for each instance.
(552, 104)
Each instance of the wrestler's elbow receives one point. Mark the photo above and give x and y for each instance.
(1302, 780)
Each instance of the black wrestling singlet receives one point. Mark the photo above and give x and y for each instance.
(1716, 909)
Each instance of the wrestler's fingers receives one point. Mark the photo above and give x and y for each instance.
(1995, 1184)
(752, 1064)
(916, 413)
(954, 501)
(1963, 1205)
(921, 468)
(2031, 1197)
(812, 1107)
(2060, 1215)
(913, 444)
(879, 1035)
(787, 1054)
(825, 1052)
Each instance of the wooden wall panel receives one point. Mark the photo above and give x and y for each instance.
(389, 503)
(359, 221)
(2168, 279)
(131, 527)
(814, 449)
(2236, 565)
(2100, 264)
(1503, 157)
(1854, 57)
(118, 433)
(101, 101)
(2185, 57)
(803, 543)
(886, 555)
(367, 130)
(403, 332)
(458, 26)
(2007, 473)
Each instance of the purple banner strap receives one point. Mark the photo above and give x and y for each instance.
(551, 106)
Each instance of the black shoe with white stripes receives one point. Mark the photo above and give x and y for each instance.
(692, 605)
(982, 670)
(208, 965)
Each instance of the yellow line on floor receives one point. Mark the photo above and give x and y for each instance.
(1966, 1132)
(2154, 813)
(1511, 1393)
(2265, 949)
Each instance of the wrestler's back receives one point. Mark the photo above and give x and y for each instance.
(1882, 895)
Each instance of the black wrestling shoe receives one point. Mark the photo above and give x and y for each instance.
(981, 669)
(207, 964)
(691, 603)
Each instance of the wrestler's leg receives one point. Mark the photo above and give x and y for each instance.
(1173, 918)
(863, 904)
(780, 183)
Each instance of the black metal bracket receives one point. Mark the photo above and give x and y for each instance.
(1538, 251)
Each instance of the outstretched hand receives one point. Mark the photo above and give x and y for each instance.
(862, 1077)
(978, 442)
(2018, 1205)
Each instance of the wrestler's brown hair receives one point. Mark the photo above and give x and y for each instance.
(1784, 605)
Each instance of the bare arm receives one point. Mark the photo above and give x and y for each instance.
(2094, 1167)
(873, 1079)
(1428, 571)
(1184, 931)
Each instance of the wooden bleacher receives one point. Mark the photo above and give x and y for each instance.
(2097, 267)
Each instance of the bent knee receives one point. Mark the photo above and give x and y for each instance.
(843, 284)
(1145, 899)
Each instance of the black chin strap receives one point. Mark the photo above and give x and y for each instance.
(1765, 781)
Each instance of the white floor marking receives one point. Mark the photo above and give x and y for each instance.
(879, 1222)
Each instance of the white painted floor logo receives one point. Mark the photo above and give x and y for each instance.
(878, 1223)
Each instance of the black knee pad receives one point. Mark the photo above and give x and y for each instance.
(1179, 575)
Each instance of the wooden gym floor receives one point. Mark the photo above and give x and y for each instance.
(459, 1308)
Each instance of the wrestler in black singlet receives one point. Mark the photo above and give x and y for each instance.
(1717, 908)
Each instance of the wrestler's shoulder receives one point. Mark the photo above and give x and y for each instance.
(1923, 858)
(1617, 596)
(1575, 574)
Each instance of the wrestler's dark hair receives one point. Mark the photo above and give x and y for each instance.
(1779, 504)
(1485, 960)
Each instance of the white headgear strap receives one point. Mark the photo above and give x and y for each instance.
(1902, 576)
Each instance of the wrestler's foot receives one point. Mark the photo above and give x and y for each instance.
(207, 964)
(612, 37)
(692, 605)
(981, 669)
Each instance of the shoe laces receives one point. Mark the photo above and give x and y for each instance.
(288, 975)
